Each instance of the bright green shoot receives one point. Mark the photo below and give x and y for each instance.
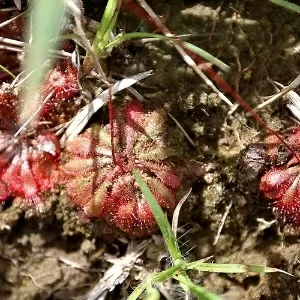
(42, 31)
(160, 218)
(106, 26)
(7, 71)
(288, 5)
(188, 46)
(108, 22)
(180, 267)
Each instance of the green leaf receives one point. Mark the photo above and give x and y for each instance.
(139, 289)
(106, 26)
(160, 218)
(288, 5)
(199, 291)
(42, 30)
(230, 268)
(207, 56)
(188, 46)
(152, 293)
(168, 273)
(7, 71)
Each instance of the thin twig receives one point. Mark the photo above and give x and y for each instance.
(227, 209)
(25, 274)
(183, 131)
(8, 9)
(177, 211)
(284, 91)
(118, 272)
(188, 60)
(56, 53)
(75, 265)
(81, 119)
(12, 19)
(33, 115)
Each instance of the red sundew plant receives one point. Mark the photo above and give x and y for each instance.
(106, 187)
(27, 165)
(99, 173)
(281, 184)
(8, 108)
(63, 82)
(286, 205)
(27, 160)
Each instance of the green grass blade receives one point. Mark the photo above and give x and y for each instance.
(230, 268)
(288, 5)
(139, 289)
(152, 293)
(135, 35)
(168, 273)
(160, 218)
(106, 25)
(199, 291)
(46, 21)
(207, 56)
(154, 278)
(105, 40)
(7, 71)
(188, 46)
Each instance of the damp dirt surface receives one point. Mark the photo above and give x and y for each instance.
(56, 253)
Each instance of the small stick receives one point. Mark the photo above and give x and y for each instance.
(285, 90)
(8, 9)
(183, 131)
(33, 115)
(118, 272)
(12, 19)
(58, 53)
(187, 59)
(227, 209)
(76, 10)
(177, 211)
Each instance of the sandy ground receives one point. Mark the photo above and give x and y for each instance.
(54, 254)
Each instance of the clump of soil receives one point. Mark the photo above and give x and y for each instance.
(57, 254)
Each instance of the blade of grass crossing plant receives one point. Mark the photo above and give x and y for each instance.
(81, 119)
(160, 218)
(152, 293)
(230, 268)
(7, 71)
(139, 289)
(106, 25)
(44, 26)
(288, 5)
(207, 56)
(155, 278)
(168, 273)
(199, 291)
(198, 51)
(101, 46)
(18, 4)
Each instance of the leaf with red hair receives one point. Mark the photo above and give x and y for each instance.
(99, 186)
(281, 184)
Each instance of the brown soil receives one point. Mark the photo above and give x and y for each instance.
(259, 41)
